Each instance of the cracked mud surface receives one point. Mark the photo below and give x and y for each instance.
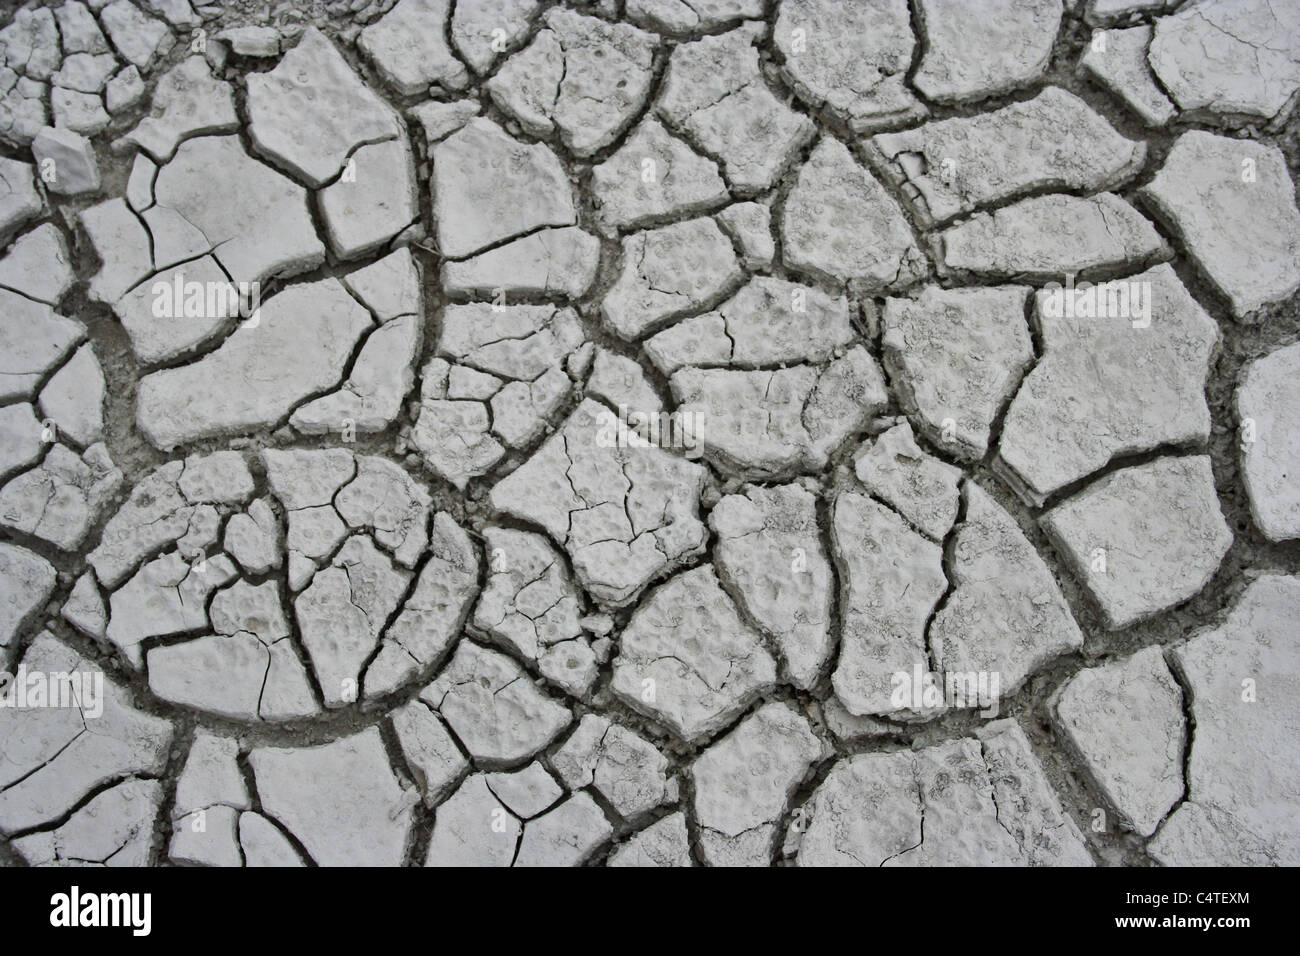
(643, 396)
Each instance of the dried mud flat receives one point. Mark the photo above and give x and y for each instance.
(649, 433)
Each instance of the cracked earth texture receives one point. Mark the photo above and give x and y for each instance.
(641, 396)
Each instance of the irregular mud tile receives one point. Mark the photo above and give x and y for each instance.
(841, 225)
(115, 828)
(1269, 399)
(85, 608)
(1027, 805)
(955, 356)
(625, 512)
(55, 756)
(918, 486)
(851, 60)
(61, 499)
(1124, 720)
(973, 51)
(1047, 237)
(850, 728)
(221, 477)
(253, 539)
(493, 707)
(1006, 616)
(22, 109)
(85, 73)
(622, 766)
(386, 501)
(516, 342)
(432, 615)
(1229, 57)
(262, 843)
(520, 410)
(691, 16)
(430, 751)
(652, 175)
(749, 224)
(715, 94)
(580, 78)
(390, 288)
(1117, 59)
(744, 782)
(26, 582)
(664, 843)
(255, 219)
(247, 670)
(342, 613)
(371, 398)
(310, 113)
(482, 30)
(439, 120)
(154, 515)
(23, 437)
(209, 795)
(300, 346)
(961, 802)
(768, 424)
(78, 30)
(175, 238)
(67, 162)
(188, 101)
(1242, 679)
(122, 245)
(548, 262)
(255, 41)
(526, 792)
(1128, 375)
(768, 322)
(73, 399)
(1233, 203)
(138, 37)
(1053, 141)
(33, 340)
(207, 837)
(620, 381)
(687, 659)
(37, 265)
(373, 202)
(1144, 538)
(669, 272)
(565, 836)
(472, 828)
(78, 113)
(340, 799)
(167, 596)
(891, 578)
(31, 43)
(408, 47)
(530, 605)
(124, 91)
(453, 436)
(488, 187)
(770, 558)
